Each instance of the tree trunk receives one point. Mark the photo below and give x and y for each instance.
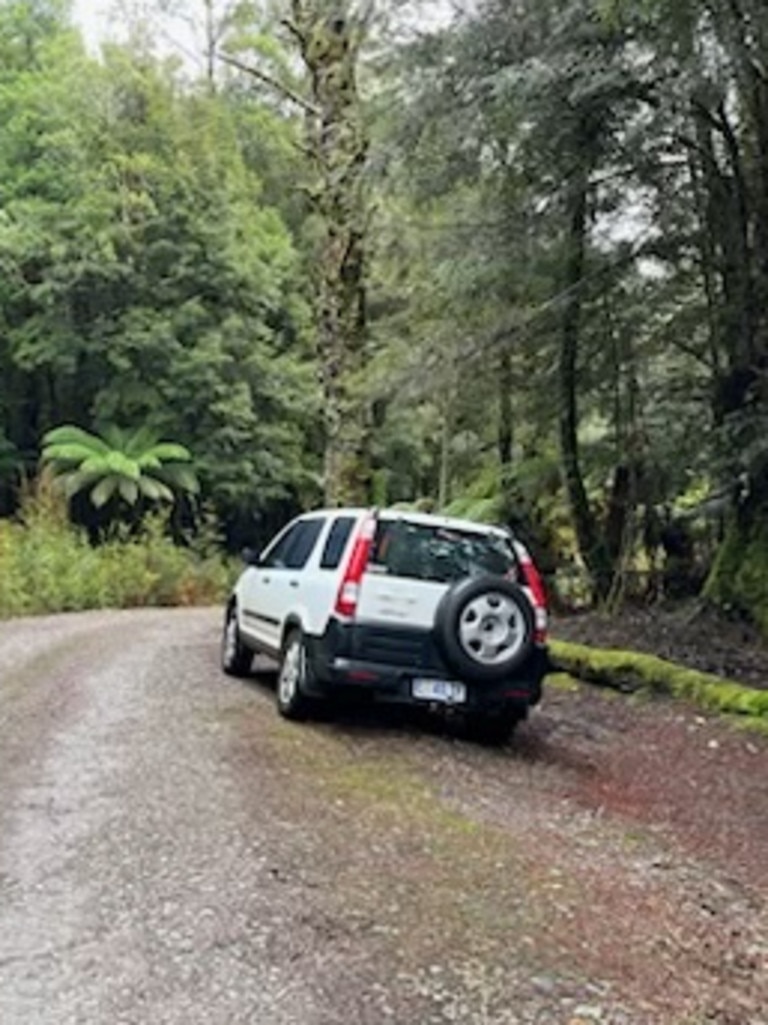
(739, 577)
(211, 43)
(338, 146)
(506, 428)
(592, 549)
(444, 485)
(728, 216)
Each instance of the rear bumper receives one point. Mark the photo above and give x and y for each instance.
(383, 663)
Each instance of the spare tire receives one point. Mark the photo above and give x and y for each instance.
(484, 627)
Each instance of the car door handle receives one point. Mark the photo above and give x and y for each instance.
(294, 583)
(265, 580)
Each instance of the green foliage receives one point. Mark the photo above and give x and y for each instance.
(133, 467)
(655, 110)
(156, 259)
(47, 565)
(482, 501)
(143, 276)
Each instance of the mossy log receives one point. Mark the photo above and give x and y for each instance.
(631, 671)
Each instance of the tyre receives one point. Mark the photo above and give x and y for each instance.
(292, 702)
(236, 658)
(484, 627)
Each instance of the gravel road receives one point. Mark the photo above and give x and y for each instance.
(171, 853)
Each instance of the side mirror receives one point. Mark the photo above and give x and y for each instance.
(251, 557)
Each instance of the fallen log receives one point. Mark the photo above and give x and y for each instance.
(630, 671)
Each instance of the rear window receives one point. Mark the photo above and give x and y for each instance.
(421, 551)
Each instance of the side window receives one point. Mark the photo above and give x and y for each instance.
(275, 556)
(336, 542)
(303, 543)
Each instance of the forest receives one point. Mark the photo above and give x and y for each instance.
(506, 258)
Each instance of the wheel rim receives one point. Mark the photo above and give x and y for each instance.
(230, 640)
(491, 628)
(290, 673)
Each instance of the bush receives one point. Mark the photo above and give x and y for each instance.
(47, 565)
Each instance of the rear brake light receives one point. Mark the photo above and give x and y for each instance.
(534, 583)
(349, 590)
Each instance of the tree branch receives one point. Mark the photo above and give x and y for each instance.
(712, 119)
(273, 83)
(295, 31)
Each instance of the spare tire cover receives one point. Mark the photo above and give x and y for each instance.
(484, 627)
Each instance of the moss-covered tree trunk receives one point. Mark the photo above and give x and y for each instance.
(329, 37)
(739, 577)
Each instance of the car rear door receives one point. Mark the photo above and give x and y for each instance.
(413, 562)
(396, 589)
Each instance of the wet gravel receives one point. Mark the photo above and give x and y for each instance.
(131, 871)
(171, 852)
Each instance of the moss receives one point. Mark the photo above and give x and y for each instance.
(630, 671)
(753, 725)
(564, 682)
(739, 577)
(379, 789)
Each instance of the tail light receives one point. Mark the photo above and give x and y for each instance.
(532, 580)
(349, 589)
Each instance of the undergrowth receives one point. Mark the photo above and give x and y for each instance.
(48, 565)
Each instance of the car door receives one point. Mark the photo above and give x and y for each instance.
(273, 588)
(290, 578)
(256, 591)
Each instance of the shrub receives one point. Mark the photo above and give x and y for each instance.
(47, 565)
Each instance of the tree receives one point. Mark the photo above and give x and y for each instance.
(711, 95)
(130, 466)
(336, 144)
(145, 278)
(329, 42)
(515, 122)
(598, 118)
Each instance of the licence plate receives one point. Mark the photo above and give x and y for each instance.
(449, 692)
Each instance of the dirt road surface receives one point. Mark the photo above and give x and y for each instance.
(171, 853)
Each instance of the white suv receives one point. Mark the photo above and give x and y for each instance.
(412, 608)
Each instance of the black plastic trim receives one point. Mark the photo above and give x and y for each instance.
(260, 618)
(341, 661)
